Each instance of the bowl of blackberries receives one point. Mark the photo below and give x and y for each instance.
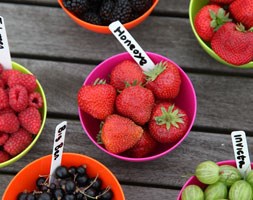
(78, 177)
(96, 15)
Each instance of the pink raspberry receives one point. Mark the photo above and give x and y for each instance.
(17, 142)
(4, 156)
(8, 73)
(3, 138)
(18, 98)
(9, 123)
(35, 100)
(30, 120)
(2, 85)
(7, 110)
(1, 68)
(4, 99)
(26, 80)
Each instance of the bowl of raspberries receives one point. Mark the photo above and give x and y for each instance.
(96, 15)
(23, 111)
(78, 177)
(135, 115)
(224, 29)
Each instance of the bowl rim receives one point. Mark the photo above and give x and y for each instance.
(43, 121)
(105, 29)
(207, 48)
(148, 158)
(68, 154)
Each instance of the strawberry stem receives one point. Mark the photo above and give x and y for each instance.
(218, 19)
(99, 81)
(156, 71)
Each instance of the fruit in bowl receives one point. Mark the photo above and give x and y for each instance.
(78, 177)
(224, 30)
(137, 116)
(96, 15)
(220, 180)
(23, 110)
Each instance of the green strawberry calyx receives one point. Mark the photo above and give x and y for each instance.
(99, 81)
(98, 137)
(156, 71)
(218, 19)
(170, 117)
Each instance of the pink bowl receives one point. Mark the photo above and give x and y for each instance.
(186, 100)
(194, 181)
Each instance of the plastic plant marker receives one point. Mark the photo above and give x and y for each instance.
(5, 57)
(130, 44)
(59, 139)
(241, 152)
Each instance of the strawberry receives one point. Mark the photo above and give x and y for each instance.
(17, 142)
(9, 123)
(26, 80)
(119, 134)
(144, 146)
(208, 20)
(4, 156)
(164, 80)
(242, 12)
(126, 71)
(135, 102)
(168, 123)
(233, 44)
(30, 120)
(221, 1)
(97, 100)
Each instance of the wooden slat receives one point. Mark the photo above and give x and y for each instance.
(50, 33)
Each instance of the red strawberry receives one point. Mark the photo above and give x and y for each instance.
(164, 80)
(144, 146)
(17, 142)
(209, 19)
(6, 74)
(97, 100)
(3, 138)
(242, 11)
(4, 156)
(168, 123)
(127, 71)
(120, 134)
(9, 123)
(35, 100)
(26, 80)
(18, 98)
(4, 99)
(221, 1)
(135, 102)
(233, 45)
(30, 120)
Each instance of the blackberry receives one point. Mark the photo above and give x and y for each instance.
(122, 11)
(141, 6)
(77, 6)
(106, 10)
(92, 17)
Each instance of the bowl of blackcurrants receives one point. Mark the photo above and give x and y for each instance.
(78, 177)
(96, 15)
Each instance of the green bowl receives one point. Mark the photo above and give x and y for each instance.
(195, 6)
(42, 110)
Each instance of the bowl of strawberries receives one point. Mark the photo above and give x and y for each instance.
(224, 29)
(96, 15)
(135, 115)
(23, 110)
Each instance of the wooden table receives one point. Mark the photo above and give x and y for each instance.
(61, 54)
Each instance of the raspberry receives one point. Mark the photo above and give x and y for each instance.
(18, 98)
(30, 119)
(26, 80)
(4, 156)
(2, 85)
(9, 123)
(1, 68)
(6, 110)
(8, 73)
(35, 100)
(3, 138)
(17, 142)
(4, 100)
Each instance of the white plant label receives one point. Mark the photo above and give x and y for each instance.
(241, 152)
(59, 139)
(132, 47)
(5, 57)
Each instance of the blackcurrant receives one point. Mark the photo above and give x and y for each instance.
(70, 187)
(82, 180)
(22, 196)
(40, 181)
(31, 197)
(81, 170)
(44, 196)
(52, 186)
(106, 195)
(69, 197)
(61, 172)
(96, 183)
(91, 192)
(58, 193)
(79, 196)
(72, 171)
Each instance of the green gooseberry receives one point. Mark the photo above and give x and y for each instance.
(192, 192)
(240, 190)
(216, 191)
(229, 175)
(207, 172)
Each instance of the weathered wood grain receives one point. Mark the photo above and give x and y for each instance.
(51, 34)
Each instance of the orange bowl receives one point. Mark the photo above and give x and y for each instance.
(105, 29)
(26, 178)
